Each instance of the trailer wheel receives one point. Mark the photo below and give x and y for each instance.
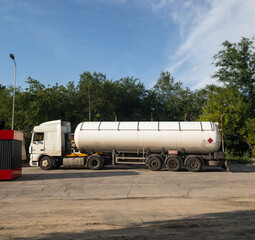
(173, 164)
(46, 163)
(95, 162)
(154, 163)
(194, 164)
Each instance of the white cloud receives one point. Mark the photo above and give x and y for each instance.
(209, 26)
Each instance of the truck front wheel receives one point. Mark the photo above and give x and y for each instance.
(95, 162)
(154, 163)
(46, 163)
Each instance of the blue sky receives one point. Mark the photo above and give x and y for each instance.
(57, 40)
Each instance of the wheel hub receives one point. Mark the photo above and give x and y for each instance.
(194, 165)
(173, 164)
(94, 163)
(45, 163)
(154, 163)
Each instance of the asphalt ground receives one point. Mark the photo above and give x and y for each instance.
(129, 203)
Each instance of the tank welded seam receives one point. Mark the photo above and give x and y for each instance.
(201, 126)
(138, 126)
(99, 126)
(158, 126)
(179, 126)
(118, 128)
(82, 126)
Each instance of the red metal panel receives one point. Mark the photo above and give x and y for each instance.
(11, 134)
(6, 134)
(9, 174)
(16, 172)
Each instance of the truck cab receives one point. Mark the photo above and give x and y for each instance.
(49, 143)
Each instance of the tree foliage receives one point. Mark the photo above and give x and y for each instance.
(236, 67)
(97, 98)
(233, 104)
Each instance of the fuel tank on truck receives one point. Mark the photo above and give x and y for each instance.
(191, 137)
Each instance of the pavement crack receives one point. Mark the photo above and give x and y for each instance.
(66, 190)
(4, 196)
(141, 219)
(187, 194)
(129, 191)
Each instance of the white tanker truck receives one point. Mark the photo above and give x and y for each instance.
(154, 144)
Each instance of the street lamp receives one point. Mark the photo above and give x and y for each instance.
(13, 103)
(222, 139)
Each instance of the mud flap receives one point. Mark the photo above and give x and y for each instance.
(226, 166)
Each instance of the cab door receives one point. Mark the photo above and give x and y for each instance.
(37, 144)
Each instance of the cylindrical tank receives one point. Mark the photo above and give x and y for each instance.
(190, 137)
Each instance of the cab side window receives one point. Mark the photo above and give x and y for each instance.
(38, 136)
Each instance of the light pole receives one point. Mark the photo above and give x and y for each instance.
(89, 103)
(13, 103)
(222, 139)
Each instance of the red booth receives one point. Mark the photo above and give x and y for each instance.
(10, 154)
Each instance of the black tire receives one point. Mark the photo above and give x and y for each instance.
(95, 162)
(194, 164)
(46, 163)
(154, 163)
(173, 164)
(56, 164)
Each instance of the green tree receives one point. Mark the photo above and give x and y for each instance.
(90, 95)
(236, 67)
(130, 99)
(173, 102)
(227, 104)
(6, 107)
(168, 97)
(236, 99)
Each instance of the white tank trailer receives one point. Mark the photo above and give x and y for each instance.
(173, 144)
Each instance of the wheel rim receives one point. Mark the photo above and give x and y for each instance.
(194, 165)
(154, 164)
(94, 163)
(173, 164)
(45, 163)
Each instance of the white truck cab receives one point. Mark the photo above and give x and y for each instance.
(49, 143)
